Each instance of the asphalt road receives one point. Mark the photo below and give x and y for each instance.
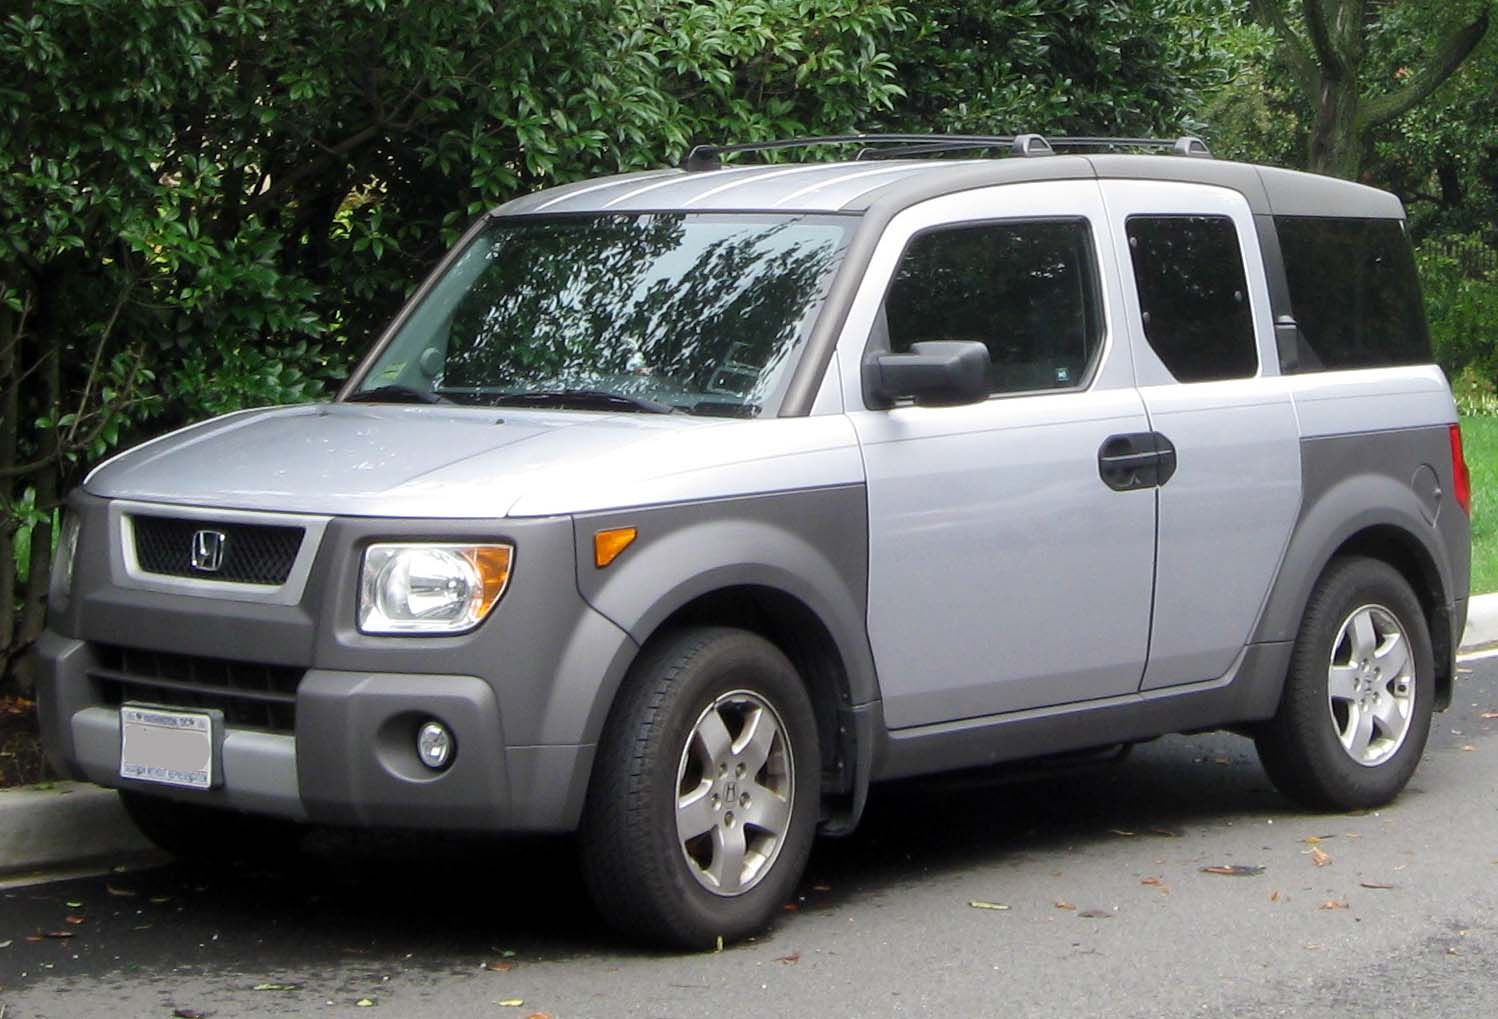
(1109, 912)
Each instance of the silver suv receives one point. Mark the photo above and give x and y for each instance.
(679, 507)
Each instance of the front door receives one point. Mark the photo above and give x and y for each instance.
(1005, 572)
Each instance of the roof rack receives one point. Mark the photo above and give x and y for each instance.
(710, 157)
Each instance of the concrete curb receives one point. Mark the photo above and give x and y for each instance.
(63, 823)
(72, 823)
(1482, 622)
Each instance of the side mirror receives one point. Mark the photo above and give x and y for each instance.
(934, 373)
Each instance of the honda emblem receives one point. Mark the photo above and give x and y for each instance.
(208, 551)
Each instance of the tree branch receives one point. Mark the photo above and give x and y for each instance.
(18, 332)
(1272, 16)
(93, 368)
(1454, 49)
(1332, 64)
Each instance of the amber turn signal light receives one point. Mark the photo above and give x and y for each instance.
(608, 544)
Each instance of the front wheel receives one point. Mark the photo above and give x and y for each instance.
(1355, 713)
(704, 801)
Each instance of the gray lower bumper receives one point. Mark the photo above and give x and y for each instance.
(352, 759)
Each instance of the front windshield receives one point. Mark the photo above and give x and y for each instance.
(703, 313)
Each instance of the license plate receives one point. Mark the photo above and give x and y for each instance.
(170, 747)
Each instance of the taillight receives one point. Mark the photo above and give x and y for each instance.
(1459, 474)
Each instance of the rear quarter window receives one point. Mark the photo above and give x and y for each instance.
(1353, 292)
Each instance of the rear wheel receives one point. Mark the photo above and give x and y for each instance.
(1355, 713)
(199, 832)
(705, 794)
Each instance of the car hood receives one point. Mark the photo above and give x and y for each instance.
(442, 462)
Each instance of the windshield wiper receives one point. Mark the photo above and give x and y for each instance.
(585, 399)
(395, 394)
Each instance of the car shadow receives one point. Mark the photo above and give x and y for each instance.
(445, 903)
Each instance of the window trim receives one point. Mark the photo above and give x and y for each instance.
(878, 340)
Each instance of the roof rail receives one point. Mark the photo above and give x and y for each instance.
(710, 157)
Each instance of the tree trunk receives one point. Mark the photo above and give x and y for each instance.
(1336, 136)
(34, 598)
(10, 327)
(1449, 175)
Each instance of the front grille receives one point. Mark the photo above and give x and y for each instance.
(251, 695)
(252, 553)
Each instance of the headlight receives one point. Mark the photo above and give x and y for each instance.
(62, 561)
(430, 588)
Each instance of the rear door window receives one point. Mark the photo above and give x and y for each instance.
(1193, 296)
(1354, 293)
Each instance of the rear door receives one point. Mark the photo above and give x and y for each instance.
(1196, 312)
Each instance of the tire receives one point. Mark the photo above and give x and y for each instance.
(197, 832)
(662, 823)
(1355, 712)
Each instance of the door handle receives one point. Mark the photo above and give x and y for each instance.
(1136, 460)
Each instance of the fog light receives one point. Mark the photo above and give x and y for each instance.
(434, 745)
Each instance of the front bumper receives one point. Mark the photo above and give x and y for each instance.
(525, 693)
(351, 760)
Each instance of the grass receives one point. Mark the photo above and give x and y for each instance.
(1480, 442)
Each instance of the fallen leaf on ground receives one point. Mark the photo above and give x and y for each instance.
(499, 967)
(1376, 885)
(1120, 831)
(1169, 833)
(122, 893)
(1332, 904)
(58, 934)
(821, 888)
(1064, 905)
(791, 907)
(539, 1015)
(188, 1013)
(1469, 747)
(276, 987)
(365, 1003)
(984, 904)
(1316, 840)
(159, 900)
(1152, 881)
(73, 905)
(1222, 760)
(511, 1002)
(1274, 896)
(1096, 914)
(34, 938)
(75, 920)
(1234, 870)
(790, 960)
(1319, 858)
(1490, 714)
